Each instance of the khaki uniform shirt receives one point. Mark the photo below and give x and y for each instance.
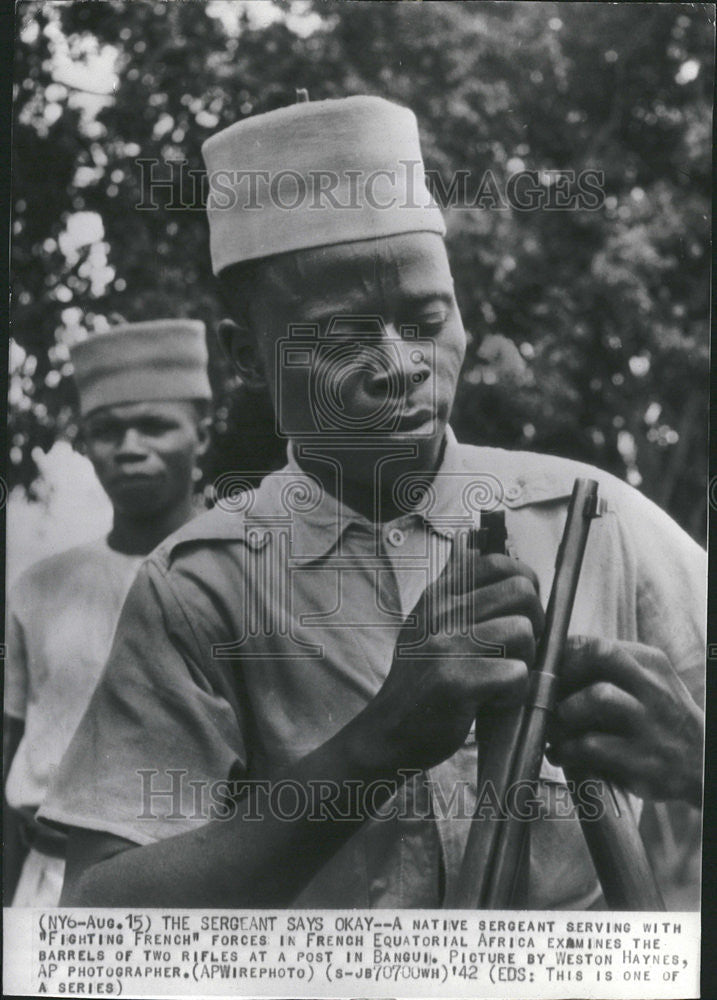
(252, 635)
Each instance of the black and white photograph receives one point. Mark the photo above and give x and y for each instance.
(356, 498)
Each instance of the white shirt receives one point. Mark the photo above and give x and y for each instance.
(62, 614)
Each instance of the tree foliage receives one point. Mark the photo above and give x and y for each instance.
(588, 328)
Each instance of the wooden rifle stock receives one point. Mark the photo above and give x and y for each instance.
(511, 749)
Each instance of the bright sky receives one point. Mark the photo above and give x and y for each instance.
(97, 71)
(300, 18)
(93, 79)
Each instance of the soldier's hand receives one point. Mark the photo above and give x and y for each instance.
(624, 714)
(468, 644)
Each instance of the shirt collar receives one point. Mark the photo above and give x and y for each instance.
(458, 493)
(316, 520)
(294, 501)
(469, 481)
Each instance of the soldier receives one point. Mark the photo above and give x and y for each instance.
(266, 661)
(144, 399)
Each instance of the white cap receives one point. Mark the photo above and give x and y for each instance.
(315, 174)
(142, 362)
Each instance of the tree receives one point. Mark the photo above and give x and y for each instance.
(607, 306)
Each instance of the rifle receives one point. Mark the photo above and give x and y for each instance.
(511, 749)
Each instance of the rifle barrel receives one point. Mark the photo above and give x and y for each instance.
(511, 753)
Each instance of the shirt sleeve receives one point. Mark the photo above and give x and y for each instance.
(160, 738)
(671, 590)
(672, 616)
(16, 682)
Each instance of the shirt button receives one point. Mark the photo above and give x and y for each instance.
(513, 492)
(396, 537)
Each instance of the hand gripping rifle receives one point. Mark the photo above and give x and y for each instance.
(511, 749)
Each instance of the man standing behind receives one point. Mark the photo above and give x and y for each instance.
(144, 399)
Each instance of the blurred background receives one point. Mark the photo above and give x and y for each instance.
(588, 329)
